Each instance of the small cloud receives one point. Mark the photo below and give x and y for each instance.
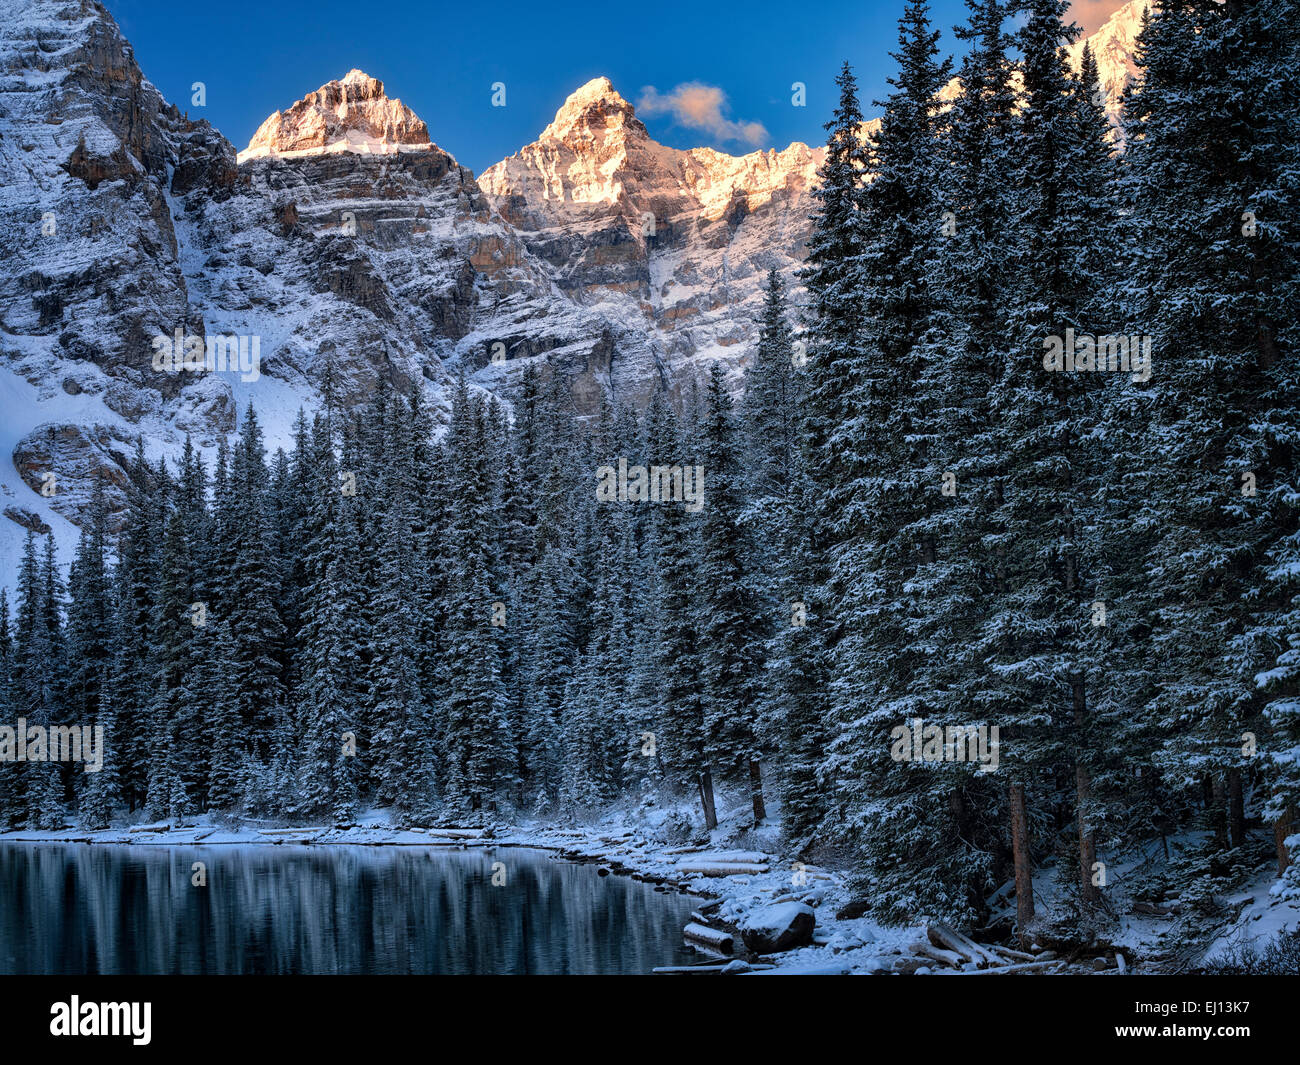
(1091, 14)
(698, 106)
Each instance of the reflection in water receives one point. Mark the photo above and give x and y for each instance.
(76, 908)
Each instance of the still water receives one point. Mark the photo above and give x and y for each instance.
(76, 908)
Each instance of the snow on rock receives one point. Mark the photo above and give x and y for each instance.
(778, 928)
(678, 242)
(351, 114)
(344, 237)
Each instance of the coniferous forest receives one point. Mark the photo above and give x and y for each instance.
(946, 495)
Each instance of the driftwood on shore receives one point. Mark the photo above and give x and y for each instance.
(722, 868)
(715, 938)
(947, 951)
(309, 831)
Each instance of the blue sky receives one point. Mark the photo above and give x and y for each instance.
(441, 61)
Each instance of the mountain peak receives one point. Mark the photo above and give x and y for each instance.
(1114, 46)
(593, 111)
(351, 114)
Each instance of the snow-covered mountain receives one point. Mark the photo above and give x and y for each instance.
(679, 241)
(344, 240)
(1113, 47)
(351, 115)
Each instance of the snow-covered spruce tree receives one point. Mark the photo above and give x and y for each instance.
(1037, 639)
(594, 722)
(679, 737)
(10, 784)
(90, 624)
(332, 633)
(230, 745)
(770, 462)
(831, 353)
(731, 654)
(246, 596)
(1212, 152)
(887, 580)
(176, 768)
(962, 357)
(1117, 801)
(477, 755)
(38, 679)
(403, 721)
(131, 680)
(769, 420)
(556, 593)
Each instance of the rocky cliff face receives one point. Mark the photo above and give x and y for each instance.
(346, 243)
(350, 115)
(89, 153)
(678, 241)
(343, 241)
(1113, 46)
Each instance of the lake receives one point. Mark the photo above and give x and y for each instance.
(78, 908)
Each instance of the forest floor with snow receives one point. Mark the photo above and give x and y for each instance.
(743, 876)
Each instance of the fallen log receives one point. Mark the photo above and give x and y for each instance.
(685, 850)
(738, 857)
(291, 831)
(721, 868)
(944, 957)
(166, 827)
(713, 937)
(1003, 969)
(947, 937)
(1018, 955)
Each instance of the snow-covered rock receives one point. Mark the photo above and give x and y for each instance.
(783, 926)
(346, 241)
(351, 114)
(678, 242)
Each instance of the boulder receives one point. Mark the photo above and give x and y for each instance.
(783, 926)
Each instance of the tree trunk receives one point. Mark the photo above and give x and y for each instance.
(756, 790)
(1088, 891)
(1280, 832)
(1218, 811)
(1236, 809)
(1020, 855)
(706, 800)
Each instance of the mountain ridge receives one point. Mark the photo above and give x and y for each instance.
(348, 242)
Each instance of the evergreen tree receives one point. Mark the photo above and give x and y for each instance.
(731, 659)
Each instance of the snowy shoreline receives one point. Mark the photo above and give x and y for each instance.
(734, 885)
